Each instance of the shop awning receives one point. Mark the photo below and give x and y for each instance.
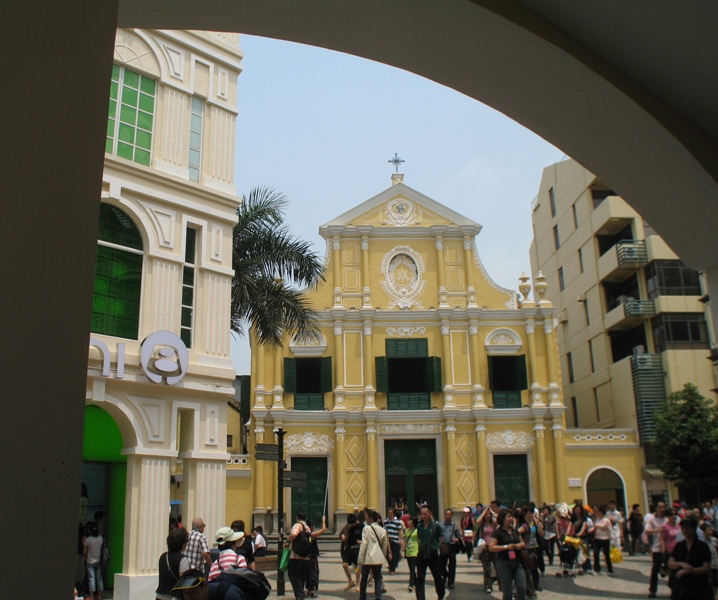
(653, 473)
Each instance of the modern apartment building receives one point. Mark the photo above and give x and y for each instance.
(632, 320)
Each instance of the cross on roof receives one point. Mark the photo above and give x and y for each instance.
(396, 161)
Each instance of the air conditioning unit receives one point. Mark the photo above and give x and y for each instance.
(640, 349)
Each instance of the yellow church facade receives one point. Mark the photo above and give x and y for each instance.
(427, 381)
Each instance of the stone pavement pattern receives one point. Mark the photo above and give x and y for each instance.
(630, 582)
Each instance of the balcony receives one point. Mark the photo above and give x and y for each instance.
(628, 314)
(612, 215)
(649, 392)
(622, 260)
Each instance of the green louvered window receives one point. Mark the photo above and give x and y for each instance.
(308, 379)
(507, 377)
(408, 374)
(131, 115)
(118, 275)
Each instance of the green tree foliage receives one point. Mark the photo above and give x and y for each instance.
(685, 446)
(272, 270)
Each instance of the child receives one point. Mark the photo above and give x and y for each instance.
(313, 576)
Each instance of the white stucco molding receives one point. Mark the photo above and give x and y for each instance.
(503, 341)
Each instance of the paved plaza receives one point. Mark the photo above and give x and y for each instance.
(630, 582)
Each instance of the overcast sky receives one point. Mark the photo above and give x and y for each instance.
(320, 126)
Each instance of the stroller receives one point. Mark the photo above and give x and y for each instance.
(572, 556)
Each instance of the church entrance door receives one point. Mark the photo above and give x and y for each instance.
(410, 471)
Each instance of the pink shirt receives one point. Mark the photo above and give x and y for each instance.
(227, 558)
(668, 535)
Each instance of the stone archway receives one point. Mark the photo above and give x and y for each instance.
(603, 485)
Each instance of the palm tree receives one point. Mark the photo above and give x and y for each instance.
(272, 270)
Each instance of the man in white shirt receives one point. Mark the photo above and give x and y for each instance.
(617, 520)
(653, 525)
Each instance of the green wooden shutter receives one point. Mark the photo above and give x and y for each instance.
(521, 379)
(245, 396)
(410, 348)
(290, 375)
(326, 374)
(433, 374)
(382, 373)
(491, 372)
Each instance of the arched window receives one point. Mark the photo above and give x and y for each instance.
(118, 275)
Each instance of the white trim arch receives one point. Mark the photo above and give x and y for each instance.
(616, 471)
(503, 340)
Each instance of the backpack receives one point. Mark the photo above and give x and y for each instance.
(254, 584)
(302, 543)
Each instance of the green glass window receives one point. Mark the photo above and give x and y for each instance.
(118, 275)
(131, 115)
(188, 286)
(195, 138)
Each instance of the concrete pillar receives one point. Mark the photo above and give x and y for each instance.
(541, 476)
(258, 474)
(451, 495)
(51, 176)
(553, 381)
(482, 464)
(338, 355)
(337, 260)
(441, 270)
(340, 471)
(365, 272)
(372, 466)
(368, 357)
(146, 521)
(561, 482)
(446, 354)
(531, 343)
(469, 270)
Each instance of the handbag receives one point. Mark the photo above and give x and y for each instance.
(388, 552)
(526, 560)
(284, 561)
(425, 552)
(616, 556)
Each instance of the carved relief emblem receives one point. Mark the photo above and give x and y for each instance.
(308, 442)
(399, 211)
(509, 440)
(403, 270)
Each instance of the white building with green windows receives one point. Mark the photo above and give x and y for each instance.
(159, 371)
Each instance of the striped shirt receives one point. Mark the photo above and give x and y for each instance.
(393, 528)
(227, 558)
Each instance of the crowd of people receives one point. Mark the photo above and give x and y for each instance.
(514, 545)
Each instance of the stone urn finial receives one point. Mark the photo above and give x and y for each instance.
(540, 285)
(525, 286)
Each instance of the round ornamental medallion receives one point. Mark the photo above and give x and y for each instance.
(399, 211)
(403, 271)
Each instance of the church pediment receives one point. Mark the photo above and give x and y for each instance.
(403, 207)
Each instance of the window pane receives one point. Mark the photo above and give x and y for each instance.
(196, 124)
(186, 317)
(148, 86)
(115, 72)
(194, 158)
(128, 115)
(194, 174)
(188, 276)
(126, 133)
(112, 111)
(110, 128)
(131, 78)
(116, 299)
(142, 157)
(108, 146)
(124, 151)
(144, 121)
(143, 139)
(187, 296)
(129, 96)
(147, 103)
(113, 90)
(197, 105)
(194, 140)
(186, 335)
(679, 331)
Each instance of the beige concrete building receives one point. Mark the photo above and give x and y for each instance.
(159, 373)
(632, 318)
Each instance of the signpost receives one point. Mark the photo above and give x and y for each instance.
(285, 479)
